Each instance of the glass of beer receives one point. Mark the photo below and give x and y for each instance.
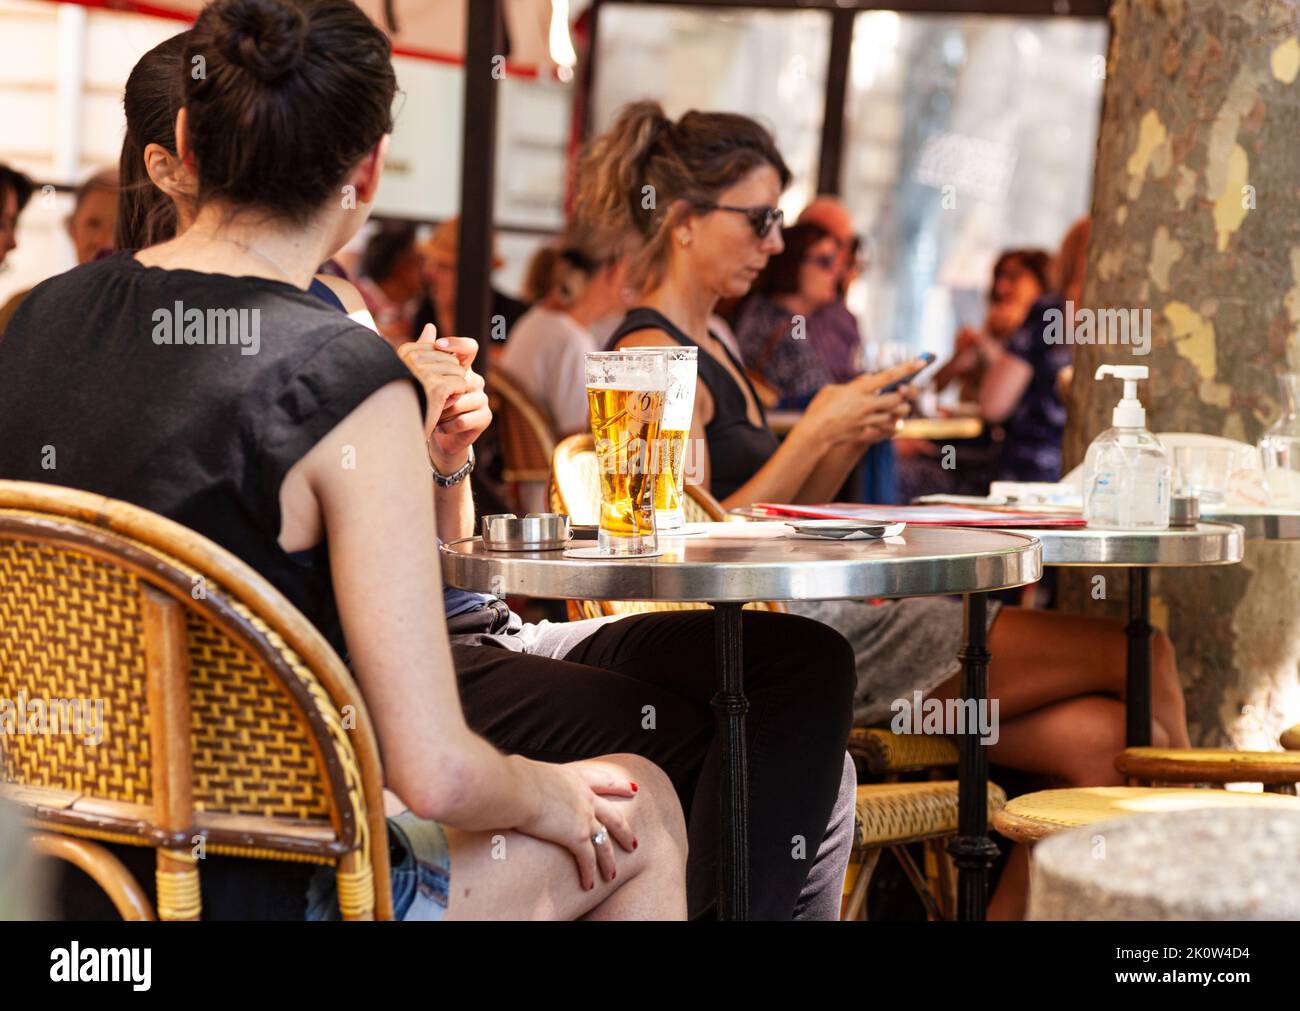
(670, 449)
(625, 397)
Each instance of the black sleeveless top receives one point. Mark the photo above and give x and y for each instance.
(110, 365)
(737, 447)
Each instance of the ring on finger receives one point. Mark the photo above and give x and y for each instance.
(601, 837)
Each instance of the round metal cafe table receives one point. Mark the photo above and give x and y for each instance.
(1259, 524)
(735, 564)
(1139, 551)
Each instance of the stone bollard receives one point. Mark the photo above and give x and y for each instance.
(1211, 864)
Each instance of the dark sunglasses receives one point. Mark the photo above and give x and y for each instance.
(761, 219)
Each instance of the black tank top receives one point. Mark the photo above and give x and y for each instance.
(203, 434)
(737, 447)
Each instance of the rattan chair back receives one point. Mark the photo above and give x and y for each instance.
(229, 726)
(527, 434)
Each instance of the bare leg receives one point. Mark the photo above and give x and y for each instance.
(1043, 657)
(1075, 742)
(1010, 897)
(509, 876)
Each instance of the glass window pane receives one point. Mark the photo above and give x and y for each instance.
(767, 64)
(966, 135)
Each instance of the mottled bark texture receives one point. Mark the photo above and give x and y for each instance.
(1196, 216)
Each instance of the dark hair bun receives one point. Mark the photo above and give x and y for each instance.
(264, 37)
(296, 93)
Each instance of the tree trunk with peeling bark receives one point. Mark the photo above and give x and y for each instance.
(1196, 217)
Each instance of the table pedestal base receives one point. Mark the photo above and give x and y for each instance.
(1138, 684)
(731, 706)
(972, 850)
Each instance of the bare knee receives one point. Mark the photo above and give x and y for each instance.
(657, 809)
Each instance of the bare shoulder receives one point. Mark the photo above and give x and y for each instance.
(345, 290)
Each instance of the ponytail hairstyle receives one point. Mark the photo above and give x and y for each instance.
(585, 250)
(284, 98)
(645, 174)
(537, 278)
(145, 214)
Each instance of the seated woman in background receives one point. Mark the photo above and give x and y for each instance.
(1059, 678)
(1020, 278)
(245, 448)
(157, 193)
(1021, 388)
(546, 350)
(772, 326)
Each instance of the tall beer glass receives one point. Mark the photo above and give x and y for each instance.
(670, 449)
(625, 397)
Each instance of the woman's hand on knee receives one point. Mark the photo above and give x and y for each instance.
(574, 811)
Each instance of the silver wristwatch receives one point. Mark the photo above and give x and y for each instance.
(455, 477)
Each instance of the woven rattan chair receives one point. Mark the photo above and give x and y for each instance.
(229, 726)
(893, 816)
(890, 815)
(1278, 771)
(1291, 738)
(527, 439)
(1035, 816)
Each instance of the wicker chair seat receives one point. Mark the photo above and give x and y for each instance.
(1209, 765)
(893, 814)
(883, 753)
(1035, 816)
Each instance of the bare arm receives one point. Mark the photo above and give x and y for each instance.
(1006, 378)
(379, 522)
(449, 432)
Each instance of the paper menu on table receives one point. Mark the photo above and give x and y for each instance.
(931, 515)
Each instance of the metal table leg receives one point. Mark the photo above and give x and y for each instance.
(731, 705)
(972, 850)
(1138, 676)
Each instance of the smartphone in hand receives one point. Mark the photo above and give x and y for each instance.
(928, 358)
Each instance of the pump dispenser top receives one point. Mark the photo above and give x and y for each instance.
(1129, 412)
(1126, 471)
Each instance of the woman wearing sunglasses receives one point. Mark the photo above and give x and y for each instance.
(707, 234)
(785, 366)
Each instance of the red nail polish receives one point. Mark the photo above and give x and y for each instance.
(635, 844)
(634, 788)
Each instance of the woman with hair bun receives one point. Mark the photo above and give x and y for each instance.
(293, 438)
(156, 197)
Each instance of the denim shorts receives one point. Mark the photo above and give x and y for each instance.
(420, 872)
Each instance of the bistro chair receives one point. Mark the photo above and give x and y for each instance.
(229, 726)
(890, 815)
(1278, 771)
(1035, 816)
(527, 440)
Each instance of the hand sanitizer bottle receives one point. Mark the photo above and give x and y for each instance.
(1126, 472)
